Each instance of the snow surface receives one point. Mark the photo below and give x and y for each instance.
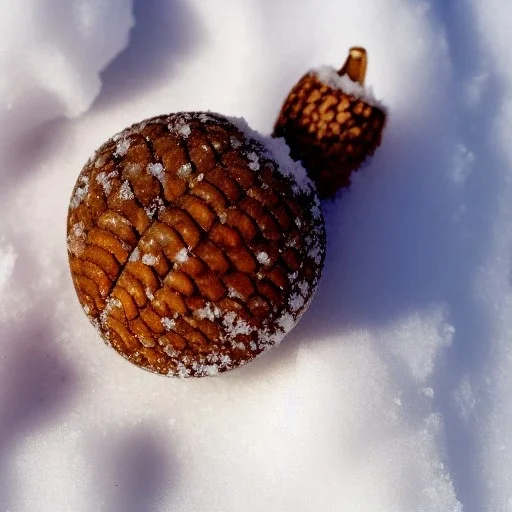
(393, 392)
(51, 53)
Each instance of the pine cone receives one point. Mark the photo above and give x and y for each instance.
(332, 123)
(192, 248)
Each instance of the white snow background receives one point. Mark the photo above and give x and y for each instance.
(394, 393)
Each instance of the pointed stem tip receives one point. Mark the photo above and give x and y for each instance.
(355, 65)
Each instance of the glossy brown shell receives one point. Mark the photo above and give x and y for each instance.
(189, 251)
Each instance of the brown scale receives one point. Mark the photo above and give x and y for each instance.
(330, 131)
(188, 266)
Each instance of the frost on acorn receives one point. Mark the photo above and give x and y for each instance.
(332, 123)
(194, 243)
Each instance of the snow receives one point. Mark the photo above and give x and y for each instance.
(277, 150)
(286, 322)
(393, 391)
(180, 127)
(253, 161)
(51, 56)
(263, 258)
(296, 301)
(182, 255)
(208, 311)
(149, 293)
(7, 261)
(157, 170)
(184, 130)
(125, 191)
(104, 179)
(185, 171)
(168, 323)
(135, 255)
(122, 147)
(329, 76)
(149, 259)
(80, 192)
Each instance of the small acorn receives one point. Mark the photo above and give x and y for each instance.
(332, 123)
(194, 243)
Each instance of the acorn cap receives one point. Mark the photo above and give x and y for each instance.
(194, 244)
(332, 123)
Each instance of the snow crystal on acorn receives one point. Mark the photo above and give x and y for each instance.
(195, 244)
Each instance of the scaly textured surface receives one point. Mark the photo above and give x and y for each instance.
(330, 130)
(189, 250)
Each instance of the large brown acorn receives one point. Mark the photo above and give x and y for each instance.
(194, 244)
(332, 123)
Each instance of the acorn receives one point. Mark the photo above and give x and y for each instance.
(332, 123)
(194, 243)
